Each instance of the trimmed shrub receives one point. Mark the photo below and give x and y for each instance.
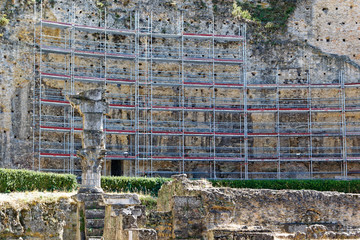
(133, 184)
(24, 180)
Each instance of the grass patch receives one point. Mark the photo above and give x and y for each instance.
(148, 201)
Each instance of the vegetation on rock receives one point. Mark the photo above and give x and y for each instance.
(266, 19)
(3, 20)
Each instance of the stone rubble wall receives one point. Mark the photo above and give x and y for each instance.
(41, 219)
(197, 209)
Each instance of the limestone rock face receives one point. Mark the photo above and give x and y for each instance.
(320, 41)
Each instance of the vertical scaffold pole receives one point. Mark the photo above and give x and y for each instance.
(182, 166)
(105, 78)
(178, 81)
(72, 89)
(151, 96)
(241, 82)
(34, 90)
(278, 147)
(136, 92)
(246, 145)
(40, 84)
(343, 124)
(310, 124)
(213, 97)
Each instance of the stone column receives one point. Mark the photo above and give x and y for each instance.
(92, 106)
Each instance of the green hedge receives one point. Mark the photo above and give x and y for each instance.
(351, 186)
(133, 184)
(24, 180)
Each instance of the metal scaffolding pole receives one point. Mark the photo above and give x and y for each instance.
(72, 88)
(343, 124)
(241, 81)
(213, 97)
(278, 146)
(34, 90)
(105, 78)
(137, 53)
(245, 95)
(182, 95)
(40, 84)
(151, 97)
(310, 124)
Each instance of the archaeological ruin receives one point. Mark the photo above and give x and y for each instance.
(186, 209)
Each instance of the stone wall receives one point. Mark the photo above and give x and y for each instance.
(38, 216)
(185, 210)
(199, 211)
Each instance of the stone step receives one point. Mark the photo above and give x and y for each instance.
(95, 214)
(93, 205)
(95, 232)
(94, 238)
(83, 197)
(94, 223)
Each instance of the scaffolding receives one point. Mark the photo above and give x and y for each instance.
(182, 103)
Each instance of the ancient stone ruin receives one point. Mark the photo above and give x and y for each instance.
(188, 209)
(92, 106)
(195, 210)
(112, 216)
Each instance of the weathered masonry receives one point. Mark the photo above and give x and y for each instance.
(185, 210)
(184, 102)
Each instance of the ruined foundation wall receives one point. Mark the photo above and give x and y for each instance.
(38, 216)
(201, 207)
